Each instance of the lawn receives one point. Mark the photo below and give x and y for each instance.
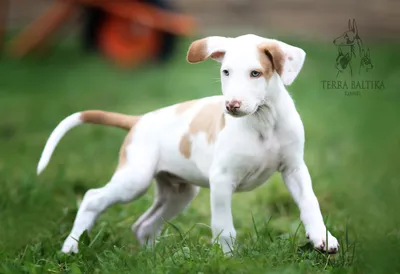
(352, 151)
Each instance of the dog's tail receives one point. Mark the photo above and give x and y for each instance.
(90, 116)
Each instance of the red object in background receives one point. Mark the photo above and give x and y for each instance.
(126, 42)
(129, 35)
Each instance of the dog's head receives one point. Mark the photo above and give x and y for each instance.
(349, 37)
(342, 60)
(252, 68)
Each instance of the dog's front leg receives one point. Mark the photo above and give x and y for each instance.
(221, 189)
(298, 181)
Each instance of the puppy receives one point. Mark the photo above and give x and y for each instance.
(229, 143)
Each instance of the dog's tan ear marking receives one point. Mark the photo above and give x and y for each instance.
(197, 51)
(287, 60)
(211, 47)
(275, 55)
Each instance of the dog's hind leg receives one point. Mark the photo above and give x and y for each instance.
(172, 196)
(128, 183)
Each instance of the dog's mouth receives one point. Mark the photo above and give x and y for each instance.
(236, 113)
(240, 112)
(246, 111)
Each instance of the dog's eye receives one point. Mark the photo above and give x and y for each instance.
(225, 72)
(255, 74)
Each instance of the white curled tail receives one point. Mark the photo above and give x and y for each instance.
(55, 137)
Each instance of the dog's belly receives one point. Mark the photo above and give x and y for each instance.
(251, 170)
(188, 171)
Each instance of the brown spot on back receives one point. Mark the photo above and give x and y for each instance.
(271, 58)
(182, 107)
(209, 119)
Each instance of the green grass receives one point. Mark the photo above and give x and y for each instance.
(352, 151)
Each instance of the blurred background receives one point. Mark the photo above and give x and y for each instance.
(63, 56)
(313, 19)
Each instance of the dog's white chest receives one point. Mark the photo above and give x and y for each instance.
(256, 158)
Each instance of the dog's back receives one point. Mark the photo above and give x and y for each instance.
(185, 134)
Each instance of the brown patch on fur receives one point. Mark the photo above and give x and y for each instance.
(181, 108)
(109, 118)
(122, 152)
(113, 119)
(197, 51)
(267, 66)
(185, 145)
(210, 120)
(272, 58)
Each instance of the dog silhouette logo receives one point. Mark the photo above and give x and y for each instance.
(352, 56)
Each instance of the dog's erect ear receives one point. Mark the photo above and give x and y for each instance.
(368, 53)
(350, 28)
(355, 29)
(288, 60)
(211, 47)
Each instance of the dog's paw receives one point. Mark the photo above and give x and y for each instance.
(319, 241)
(70, 246)
(226, 249)
(226, 245)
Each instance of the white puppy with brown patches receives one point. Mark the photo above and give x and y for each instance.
(228, 143)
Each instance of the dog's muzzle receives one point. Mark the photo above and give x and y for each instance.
(233, 106)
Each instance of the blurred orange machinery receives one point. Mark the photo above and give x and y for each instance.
(130, 32)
